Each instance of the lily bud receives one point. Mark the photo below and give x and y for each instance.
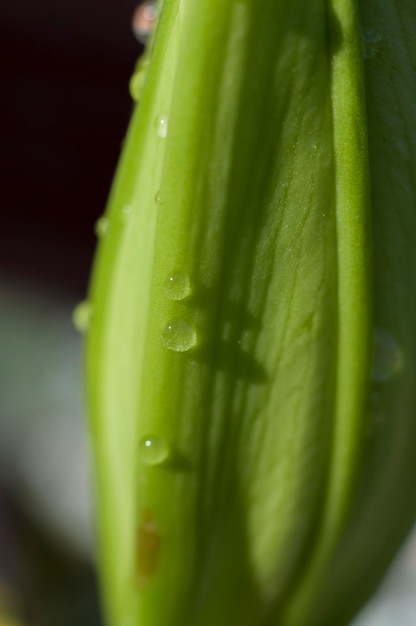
(251, 356)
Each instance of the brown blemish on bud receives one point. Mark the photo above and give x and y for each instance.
(148, 548)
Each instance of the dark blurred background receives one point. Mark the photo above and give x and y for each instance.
(65, 67)
(65, 105)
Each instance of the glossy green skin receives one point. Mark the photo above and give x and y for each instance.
(275, 493)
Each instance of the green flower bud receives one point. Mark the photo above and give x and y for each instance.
(251, 355)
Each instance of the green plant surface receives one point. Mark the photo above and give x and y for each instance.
(251, 349)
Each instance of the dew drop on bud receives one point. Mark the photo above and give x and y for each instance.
(101, 226)
(127, 209)
(135, 85)
(371, 35)
(81, 317)
(161, 124)
(403, 149)
(387, 357)
(154, 450)
(179, 336)
(177, 286)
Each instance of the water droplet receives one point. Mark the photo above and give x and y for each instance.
(162, 126)
(138, 78)
(136, 85)
(387, 357)
(403, 148)
(144, 20)
(371, 35)
(127, 209)
(101, 226)
(158, 198)
(179, 336)
(82, 315)
(178, 286)
(154, 450)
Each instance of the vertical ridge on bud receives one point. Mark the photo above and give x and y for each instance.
(384, 508)
(352, 207)
(120, 289)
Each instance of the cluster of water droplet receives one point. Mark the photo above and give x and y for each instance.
(178, 335)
